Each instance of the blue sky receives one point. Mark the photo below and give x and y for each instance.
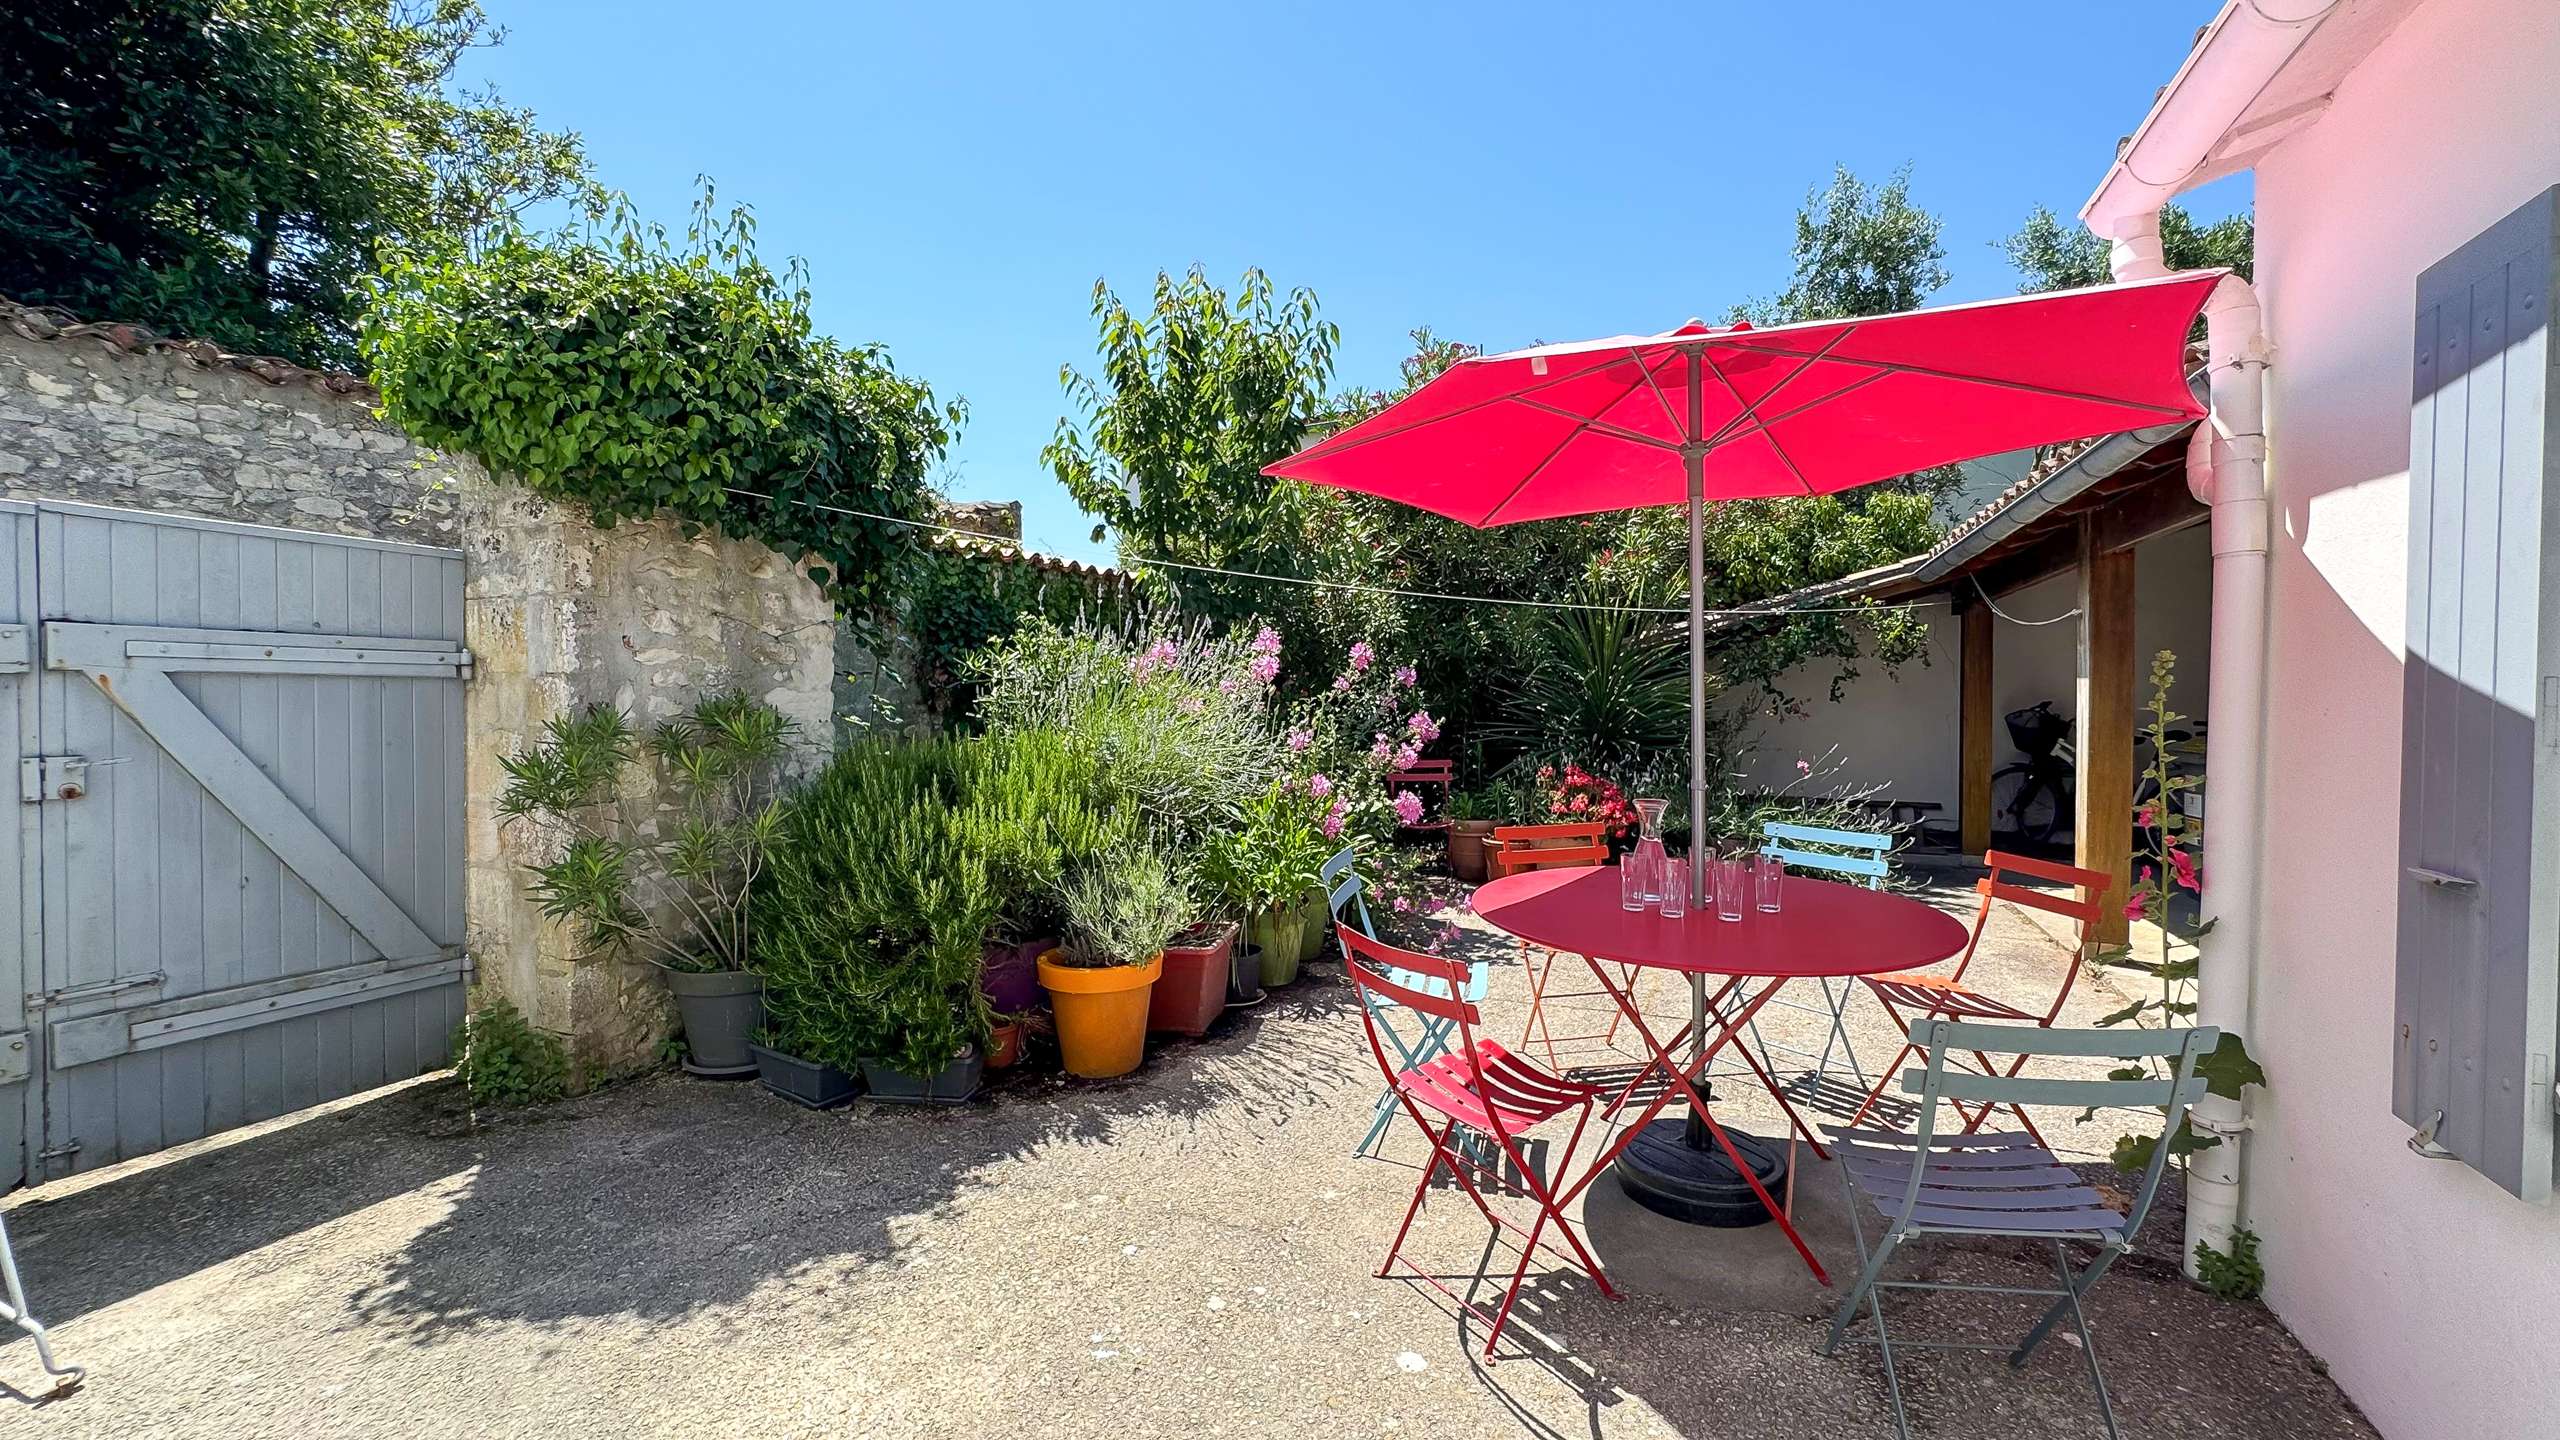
(958, 176)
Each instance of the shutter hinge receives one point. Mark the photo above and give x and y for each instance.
(63, 1151)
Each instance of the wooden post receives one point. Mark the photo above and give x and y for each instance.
(1973, 708)
(2102, 823)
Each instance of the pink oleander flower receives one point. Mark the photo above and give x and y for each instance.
(1408, 807)
(1404, 676)
(1424, 728)
(1403, 906)
(1382, 749)
(1266, 641)
(1300, 739)
(1341, 682)
(1264, 668)
(1362, 657)
(1405, 756)
(1319, 786)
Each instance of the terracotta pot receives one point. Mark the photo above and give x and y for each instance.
(1315, 925)
(1277, 932)
(1004, 1044)
(1101, 1012)
(1466, 848)
(1193, 990)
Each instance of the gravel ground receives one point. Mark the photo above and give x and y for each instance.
(1187, 1252)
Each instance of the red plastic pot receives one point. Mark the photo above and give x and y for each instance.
(1193, 989)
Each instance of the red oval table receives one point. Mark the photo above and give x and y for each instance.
(1822, 929)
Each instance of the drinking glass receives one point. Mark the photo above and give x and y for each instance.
(1730, 880)
(1630, 884)
(1675, 889)
(1769, 875)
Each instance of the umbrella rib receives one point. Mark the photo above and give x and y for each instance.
(1760, 423)
(1569, 437)
(1749, 407)
(1661, 399)
(1604, 427)
(1331, 447)
(1896, 367)
(1763, 426)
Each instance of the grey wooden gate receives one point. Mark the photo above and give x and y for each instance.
(239, 848)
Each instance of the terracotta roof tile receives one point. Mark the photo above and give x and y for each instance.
(48, 322)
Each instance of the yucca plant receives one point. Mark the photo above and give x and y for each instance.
(678, 888)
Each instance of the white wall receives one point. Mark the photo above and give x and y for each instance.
(1901, 731)
(2429, 1291)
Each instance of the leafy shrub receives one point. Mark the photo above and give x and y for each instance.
(1273, 854)
(677, 890)
(607, 366)
(502, 1060)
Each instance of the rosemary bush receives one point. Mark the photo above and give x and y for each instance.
(673, 888)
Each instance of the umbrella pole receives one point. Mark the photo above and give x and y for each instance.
(1693, 457)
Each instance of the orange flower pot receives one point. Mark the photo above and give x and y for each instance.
(1101, 1013)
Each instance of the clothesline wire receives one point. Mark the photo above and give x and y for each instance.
(2071, 614)
(1758, 612)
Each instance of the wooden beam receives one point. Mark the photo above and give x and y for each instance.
(2156, 508)
(1974, 727)
(2102, 823)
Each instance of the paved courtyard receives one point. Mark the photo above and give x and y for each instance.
(1184, 1253)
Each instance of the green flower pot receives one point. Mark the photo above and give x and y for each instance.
(1279, 934)
(1315, 924)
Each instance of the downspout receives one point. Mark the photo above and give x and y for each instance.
(2232, 63)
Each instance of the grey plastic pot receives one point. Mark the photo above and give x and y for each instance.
(721, 1009)
(813, 1083)
(953, 1086)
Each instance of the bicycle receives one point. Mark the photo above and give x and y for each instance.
(2033, 796)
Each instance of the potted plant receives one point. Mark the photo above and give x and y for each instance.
(1198, 966)
(1004, 1042)
(1121, 908)
(813, 1083)
(1264, 865)
(876, 921)
(1472, 815)
(675, 889)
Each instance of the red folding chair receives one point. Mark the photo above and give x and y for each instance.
(1516, 848)
(1934, 997)
(1477, 1085)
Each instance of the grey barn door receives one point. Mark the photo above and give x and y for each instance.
(240, 838)
(2478, 984)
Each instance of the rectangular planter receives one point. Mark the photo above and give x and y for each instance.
(1192, 991)
(813, 1083)
(953, 1086)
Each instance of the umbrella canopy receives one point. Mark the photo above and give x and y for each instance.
(1784, 410)
(1737, 412)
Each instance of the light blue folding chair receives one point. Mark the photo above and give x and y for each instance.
(14, 1312)
(1928, 1184)
(1852, 855)
(1342, 886)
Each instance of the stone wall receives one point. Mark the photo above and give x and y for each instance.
(113, 416)
(560, 615)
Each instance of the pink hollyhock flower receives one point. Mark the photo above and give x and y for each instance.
(2142, 817)
(1332, 826)
(1266, 641)
(1264, 668)
(1362, 657)
(1300, 740)
(1405, 756)
(1319, 786)
(1403, 906)
(1404, 676)
(2133, 908)
(1408, 807)
(2184, 865)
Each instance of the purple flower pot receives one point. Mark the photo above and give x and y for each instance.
(1010, 976)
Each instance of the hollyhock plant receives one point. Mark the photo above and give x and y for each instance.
(1357, 733)
(1408, 808)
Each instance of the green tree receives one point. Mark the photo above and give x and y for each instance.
(2054, 254)
(1860, 249)
(232, 169)
(1193, 399)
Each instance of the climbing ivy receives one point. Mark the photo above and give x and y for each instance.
(607, 365)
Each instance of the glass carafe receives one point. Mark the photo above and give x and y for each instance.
(1647, 857)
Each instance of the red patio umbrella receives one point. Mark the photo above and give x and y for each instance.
(1736, 412)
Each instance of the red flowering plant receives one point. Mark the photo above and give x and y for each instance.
(2165, 865)
(1575, 796)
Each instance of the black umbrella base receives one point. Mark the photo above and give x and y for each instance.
(1661, 1171)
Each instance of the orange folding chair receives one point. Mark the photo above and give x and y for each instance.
(1934, 997)
(1516, 848)
(1478, 1092)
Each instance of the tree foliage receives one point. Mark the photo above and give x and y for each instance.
(231, 169)
(611, 366)
(1860, 249)
(2055, 254)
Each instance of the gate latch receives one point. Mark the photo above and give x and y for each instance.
(52, 777)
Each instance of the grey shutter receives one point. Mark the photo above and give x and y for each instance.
(2478, 984)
